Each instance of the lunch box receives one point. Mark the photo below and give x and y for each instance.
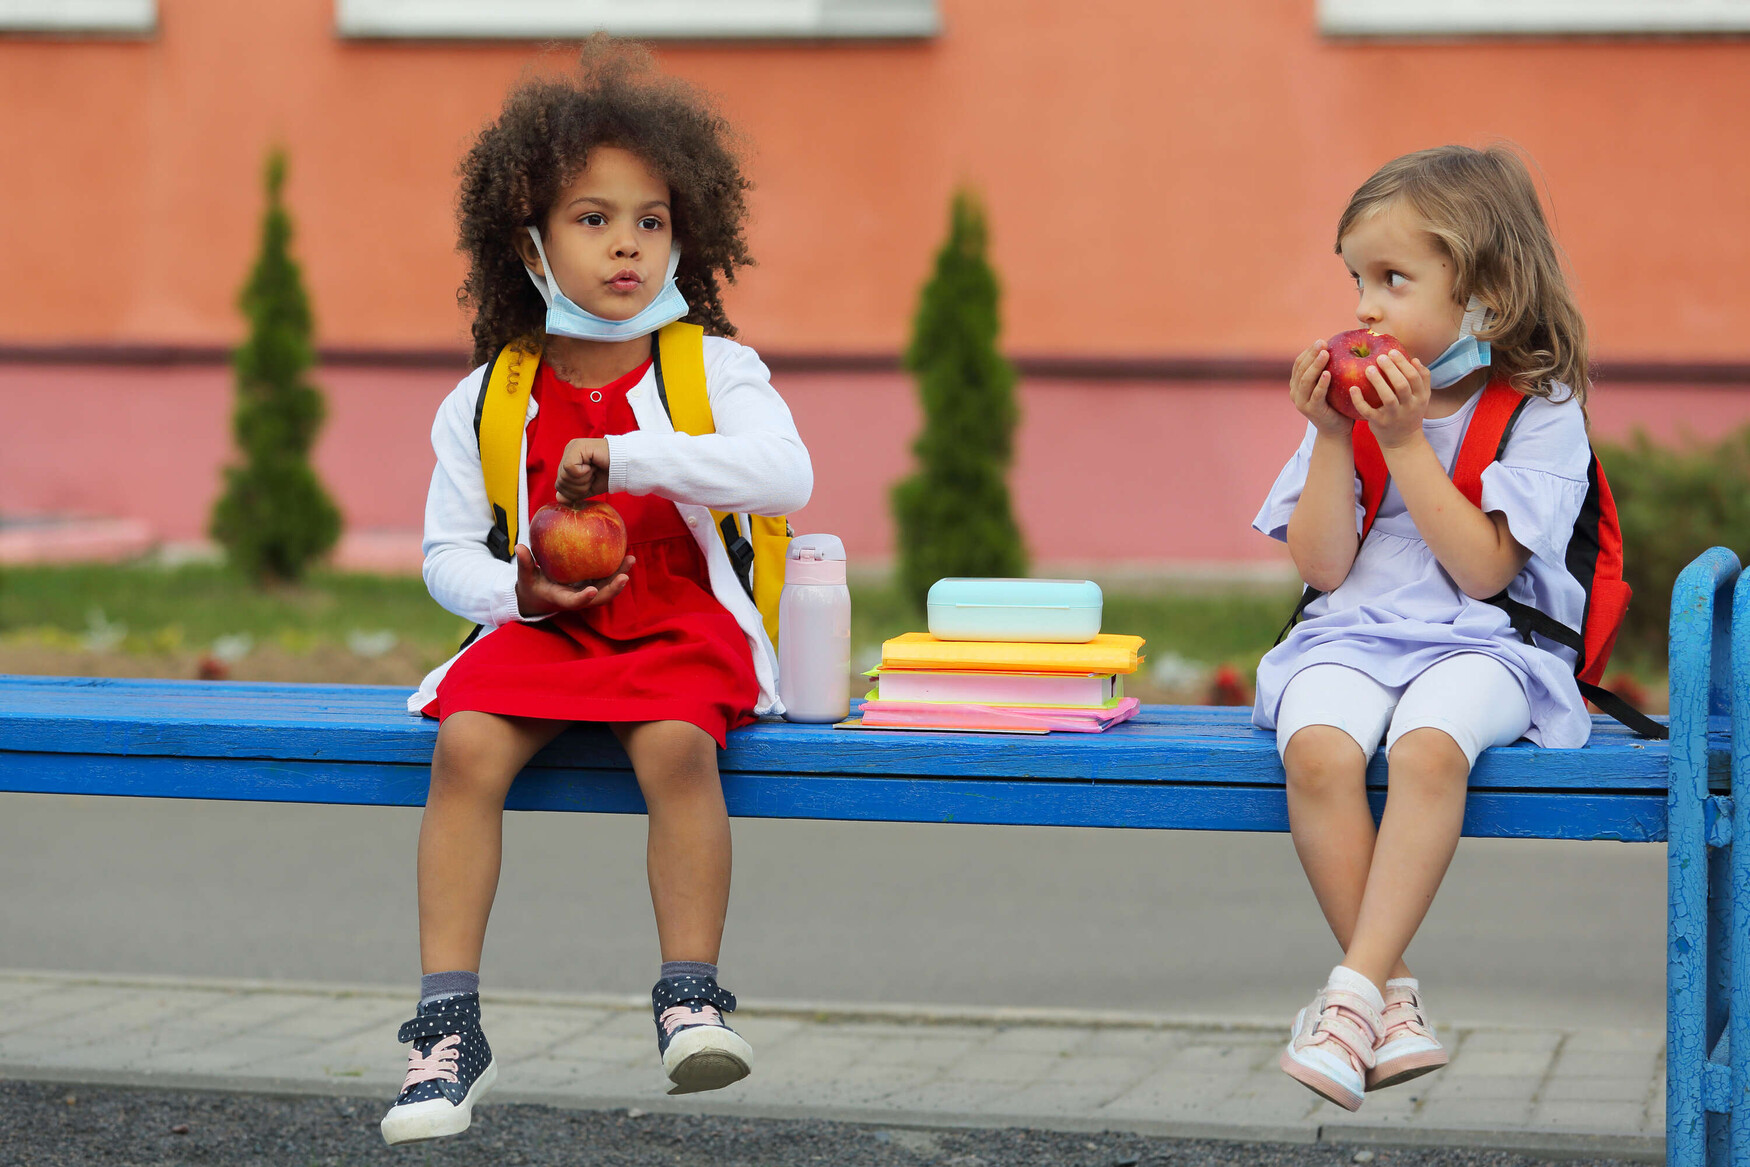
(1065, 611)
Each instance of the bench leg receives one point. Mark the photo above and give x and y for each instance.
(1699, 934)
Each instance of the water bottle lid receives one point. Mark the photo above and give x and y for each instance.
(823, 546)
(815, 559)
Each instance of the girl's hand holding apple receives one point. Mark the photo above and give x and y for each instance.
(1404, 386)
(536, 595)
(1309, 386)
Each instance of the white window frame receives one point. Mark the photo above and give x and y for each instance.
(1531, 17)
(112, 17)
(650, 19)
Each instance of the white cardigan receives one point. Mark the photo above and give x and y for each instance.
(754, 463)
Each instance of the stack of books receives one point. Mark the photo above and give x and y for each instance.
(978, 686)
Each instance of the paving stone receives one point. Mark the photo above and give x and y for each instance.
(982, 1066)
(1043, 1039)
(1593, 1117)
(1451, 1086)
(1635, 1090)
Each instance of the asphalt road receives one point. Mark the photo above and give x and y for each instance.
(1538, 933)
(45, 1125)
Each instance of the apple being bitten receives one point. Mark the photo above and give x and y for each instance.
(1352, 354)
(577, 544)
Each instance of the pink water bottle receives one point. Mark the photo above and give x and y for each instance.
(814, 631)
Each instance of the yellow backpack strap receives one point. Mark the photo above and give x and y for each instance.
(500, 414)
(758, 554)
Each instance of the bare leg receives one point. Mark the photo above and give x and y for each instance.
(688, 855)
(1424, 814)
(1332, 825)
(461, 837)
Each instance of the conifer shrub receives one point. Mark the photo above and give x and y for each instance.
(953, 514)
(274, 518)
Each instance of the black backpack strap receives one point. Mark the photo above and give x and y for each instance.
(740, 552)
(1527, 620)
(1616, 707)
(1306, 597)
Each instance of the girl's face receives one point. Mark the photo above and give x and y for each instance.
(1404, 279)
(608, 235)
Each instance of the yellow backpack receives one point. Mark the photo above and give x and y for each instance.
(756, 543)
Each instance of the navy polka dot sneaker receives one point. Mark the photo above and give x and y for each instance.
(699, 1052)
(449, 1068)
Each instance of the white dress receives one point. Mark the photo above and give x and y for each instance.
(1398, 611)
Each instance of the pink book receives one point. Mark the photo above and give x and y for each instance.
(935, 715)
(1082, 689)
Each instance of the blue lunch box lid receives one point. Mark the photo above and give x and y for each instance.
(1016, 593)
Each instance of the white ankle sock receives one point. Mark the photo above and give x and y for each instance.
(1343, 977)
(1410, 983)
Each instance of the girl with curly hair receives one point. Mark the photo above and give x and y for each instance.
(598, 209)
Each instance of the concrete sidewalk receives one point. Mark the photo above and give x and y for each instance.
(1549, 1090)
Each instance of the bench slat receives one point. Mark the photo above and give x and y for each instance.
(1187, 806)
(1166, 744)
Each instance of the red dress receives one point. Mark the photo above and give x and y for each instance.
(664, 649)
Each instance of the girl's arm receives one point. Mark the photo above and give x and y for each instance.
(1476, 549)
(461, 574)
(754, 463)
(1321, 531)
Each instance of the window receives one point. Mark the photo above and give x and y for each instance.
(131, 17)
(1530, 17)
(677, 19)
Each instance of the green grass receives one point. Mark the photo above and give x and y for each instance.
(191, 606)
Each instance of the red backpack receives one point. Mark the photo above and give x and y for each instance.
(1594, 551)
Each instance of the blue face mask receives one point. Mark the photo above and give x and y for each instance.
(1465, 355)
(566, 319)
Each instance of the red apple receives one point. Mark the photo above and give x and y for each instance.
(1352, 354)
(577, 544)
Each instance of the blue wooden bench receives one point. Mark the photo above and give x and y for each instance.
(1173, 767)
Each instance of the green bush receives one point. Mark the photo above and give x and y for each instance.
(953, 514)
(1674, 504)
(274, 518)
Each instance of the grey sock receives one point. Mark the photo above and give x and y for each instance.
(688, 968)
(435, 986)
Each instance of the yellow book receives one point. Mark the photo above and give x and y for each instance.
(1105, 653)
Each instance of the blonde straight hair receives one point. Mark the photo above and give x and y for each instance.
(1483, 209)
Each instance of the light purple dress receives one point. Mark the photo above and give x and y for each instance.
(1398, 612)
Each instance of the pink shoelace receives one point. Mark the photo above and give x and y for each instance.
(439, 1065)
(676, 1016)
(1347, 1021)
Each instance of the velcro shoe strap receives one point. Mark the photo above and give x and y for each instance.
(672, 991)
(1349, 1020)
(1404, 1012)
(434, 1025)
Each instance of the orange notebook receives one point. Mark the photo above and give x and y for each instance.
(1105, 653)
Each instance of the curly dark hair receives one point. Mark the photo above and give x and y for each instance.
(513, 175)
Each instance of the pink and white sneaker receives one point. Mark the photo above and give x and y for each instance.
(1408, 1048)
(1331, 1048)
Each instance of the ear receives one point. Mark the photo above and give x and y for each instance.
(525, 249)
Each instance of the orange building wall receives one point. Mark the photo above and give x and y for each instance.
(1162, 177)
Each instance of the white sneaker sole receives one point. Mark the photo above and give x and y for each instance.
(706, 1057)
(1320, 1083)
(436, 1117)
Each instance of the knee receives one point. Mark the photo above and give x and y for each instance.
(465, 762)
(1322, 761)
(675, 759)
(1428, 760)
